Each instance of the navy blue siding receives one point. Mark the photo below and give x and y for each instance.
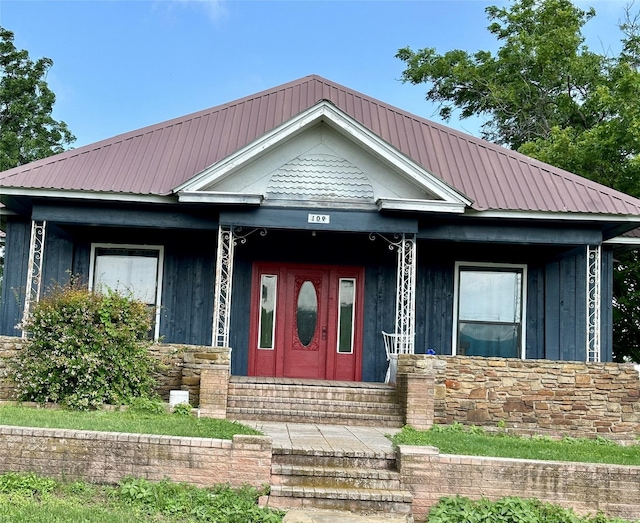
(240, 314)
(187, 290)
(565, 314)
(15, 275)
(606, 317)
(535, 312)
(58, 258)
(434, 301)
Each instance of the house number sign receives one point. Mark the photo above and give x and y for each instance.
(319, 218)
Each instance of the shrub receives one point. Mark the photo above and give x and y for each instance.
(85, 349)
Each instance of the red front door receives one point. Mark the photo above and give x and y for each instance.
(306, 322)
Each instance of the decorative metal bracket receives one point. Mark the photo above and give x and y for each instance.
(34, 268)
(594, 285)
(228, 238)
(405, 244)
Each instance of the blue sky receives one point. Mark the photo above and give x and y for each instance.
(123, 64)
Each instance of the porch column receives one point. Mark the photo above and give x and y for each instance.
(34, 268)
(224, 279)
(594, 283)
(406, 294)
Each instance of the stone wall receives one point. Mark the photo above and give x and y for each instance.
(105, 457)
(587, 488)
(180, 366)
(553, 397)
(9, 347)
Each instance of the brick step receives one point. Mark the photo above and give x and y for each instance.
(310, 392)
(303, 416)
(329, 405)
(334, 477)
(300, 457)
(362, 501)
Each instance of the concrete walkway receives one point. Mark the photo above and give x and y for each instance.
(337, 438)
(326, 437)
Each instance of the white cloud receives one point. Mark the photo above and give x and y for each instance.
(214, 9)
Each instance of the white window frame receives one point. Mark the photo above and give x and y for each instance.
(498, 267)
(275, 311)
(158, 248)
(353, 315)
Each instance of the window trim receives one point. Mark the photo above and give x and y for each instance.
(498, 267)
(158, 248)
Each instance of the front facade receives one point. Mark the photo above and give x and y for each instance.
(298, 224)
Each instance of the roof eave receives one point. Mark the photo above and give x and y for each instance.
(553, 215)
(440, 206)
(87, 195)
(218, 197)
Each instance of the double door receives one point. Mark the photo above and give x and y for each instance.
(306, 321)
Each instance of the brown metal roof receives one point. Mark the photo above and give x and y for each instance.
(156, 159)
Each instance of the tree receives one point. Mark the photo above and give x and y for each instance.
(28, 132)
(545, 94)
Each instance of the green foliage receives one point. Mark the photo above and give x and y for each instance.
(221, 504)
(27, 130)
(27, 483)
(28, 498)
(506, 510)
(85, 349)
(547, 95)
(182, 409)
(146, 405)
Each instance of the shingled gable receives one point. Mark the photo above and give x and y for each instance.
(394, 182)
(151, 163)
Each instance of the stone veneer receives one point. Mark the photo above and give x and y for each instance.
(180, 366)
(553, 397)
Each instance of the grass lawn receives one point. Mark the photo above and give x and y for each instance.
(130, 421)
(473, 441)
(28, 498)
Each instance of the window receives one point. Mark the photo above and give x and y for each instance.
(130, 269)
(267, 327)
(346, 314)
(489, 310)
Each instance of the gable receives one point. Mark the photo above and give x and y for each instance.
(322, 158)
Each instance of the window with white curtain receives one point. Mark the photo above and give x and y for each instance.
(489, 311)
(130, 269)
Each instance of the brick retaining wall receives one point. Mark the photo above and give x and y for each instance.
(554, 397)
(105, 457)
(587, 488)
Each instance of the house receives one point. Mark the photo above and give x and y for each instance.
(297, 224)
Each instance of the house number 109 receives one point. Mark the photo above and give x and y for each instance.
(319, 218)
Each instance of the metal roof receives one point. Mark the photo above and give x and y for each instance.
(156, 159)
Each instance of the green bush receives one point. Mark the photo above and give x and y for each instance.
(507, 510)
(85, 349)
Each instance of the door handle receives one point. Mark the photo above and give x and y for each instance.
(324, 333)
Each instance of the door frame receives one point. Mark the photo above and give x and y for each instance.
(276, 367)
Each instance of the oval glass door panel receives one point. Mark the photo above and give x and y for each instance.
(307, 312)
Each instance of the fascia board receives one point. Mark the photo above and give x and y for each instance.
(548, 215)
(87, 195)
(398, 204)
(219, 197)
(622, 240)
(342, 123)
